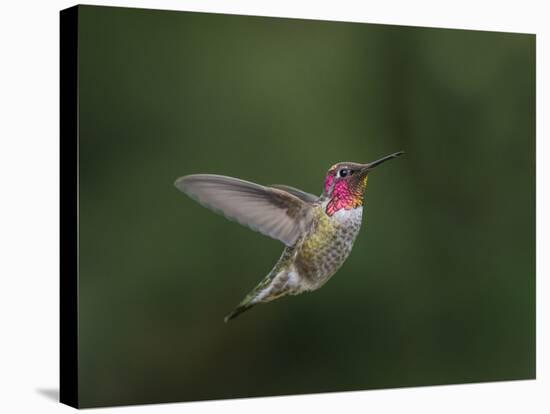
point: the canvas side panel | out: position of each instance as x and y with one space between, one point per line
69 206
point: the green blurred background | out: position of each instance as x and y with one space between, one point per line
440 287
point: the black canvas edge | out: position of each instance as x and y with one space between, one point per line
68 260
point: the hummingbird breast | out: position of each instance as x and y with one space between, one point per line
315 257
326 246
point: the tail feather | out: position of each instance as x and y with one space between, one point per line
258 295
263 291
250 300
237 311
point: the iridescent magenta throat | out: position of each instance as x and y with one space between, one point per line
342 197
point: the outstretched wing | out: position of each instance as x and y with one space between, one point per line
271 211
302 195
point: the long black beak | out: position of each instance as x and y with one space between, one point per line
373 164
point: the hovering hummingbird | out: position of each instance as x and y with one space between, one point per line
318 232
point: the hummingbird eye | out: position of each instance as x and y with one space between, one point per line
344 172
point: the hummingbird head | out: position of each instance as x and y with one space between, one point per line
346 182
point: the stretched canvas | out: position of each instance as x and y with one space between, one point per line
420 272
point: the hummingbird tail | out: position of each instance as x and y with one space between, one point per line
263 292
237 311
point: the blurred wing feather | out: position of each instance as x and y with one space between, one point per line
270 211
302 195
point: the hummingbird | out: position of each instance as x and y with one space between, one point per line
318 231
